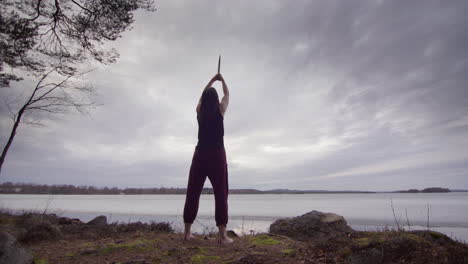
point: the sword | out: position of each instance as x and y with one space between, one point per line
219 63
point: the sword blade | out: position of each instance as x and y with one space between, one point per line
219 64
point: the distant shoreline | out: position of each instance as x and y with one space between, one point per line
230 193
31 188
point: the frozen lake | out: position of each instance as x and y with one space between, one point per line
448 212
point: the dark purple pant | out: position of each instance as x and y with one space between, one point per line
211 163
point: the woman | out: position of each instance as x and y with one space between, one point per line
209 160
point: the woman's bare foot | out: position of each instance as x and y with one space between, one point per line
188 233
188 236
223 240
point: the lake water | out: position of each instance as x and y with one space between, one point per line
448 212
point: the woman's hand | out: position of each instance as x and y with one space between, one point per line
218 77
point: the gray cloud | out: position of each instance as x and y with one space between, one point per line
324 95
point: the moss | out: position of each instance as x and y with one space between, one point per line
170 252
199 250
263 240
345 252
362 242
137 244
413 237
258 253
289 251
69 255
151 241
436 235
87 244
40 261
378 238
371 238
202 258
108 249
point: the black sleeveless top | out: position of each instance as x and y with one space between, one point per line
210 132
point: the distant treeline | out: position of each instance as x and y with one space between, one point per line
32 188
427 190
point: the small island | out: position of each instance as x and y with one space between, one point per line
427 190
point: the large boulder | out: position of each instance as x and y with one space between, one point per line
312 226
98 221
12 252
69 221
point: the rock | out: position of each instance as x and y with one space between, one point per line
98 221
12 252
69 221
40 232
231 233
312 226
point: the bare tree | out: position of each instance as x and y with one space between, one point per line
51 96
51 40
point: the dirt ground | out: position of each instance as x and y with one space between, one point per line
54 239
150 247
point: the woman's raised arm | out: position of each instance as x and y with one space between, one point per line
225 100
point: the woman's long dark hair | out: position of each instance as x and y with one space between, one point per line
209 104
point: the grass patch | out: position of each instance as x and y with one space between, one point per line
372 238
345 252
362 242
413 237
289 251
263 240
258 253
198 259
40 261
198 250
87 244
436 235
137 244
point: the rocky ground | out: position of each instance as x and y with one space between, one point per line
312 238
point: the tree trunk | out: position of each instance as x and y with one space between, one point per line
10 139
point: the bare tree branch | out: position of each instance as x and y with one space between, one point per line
38 11
82 7
56 97
50 40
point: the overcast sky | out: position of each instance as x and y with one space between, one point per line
335 95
